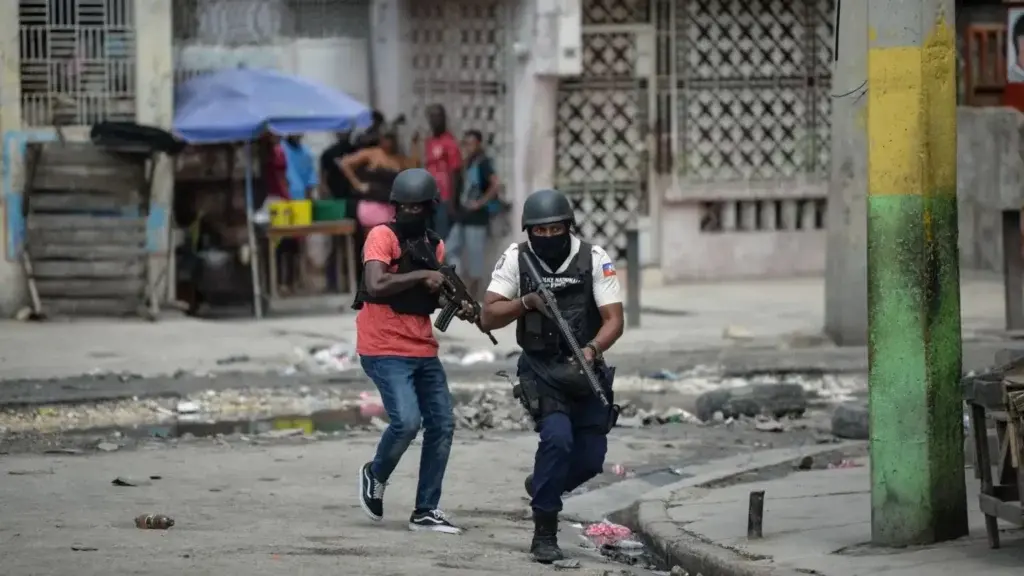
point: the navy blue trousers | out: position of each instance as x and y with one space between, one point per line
571 451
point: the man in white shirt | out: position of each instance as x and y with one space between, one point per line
572 421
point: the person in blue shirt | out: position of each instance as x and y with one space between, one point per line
303 180
303 177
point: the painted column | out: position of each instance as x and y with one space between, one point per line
918 494
12 281
154 89
846 301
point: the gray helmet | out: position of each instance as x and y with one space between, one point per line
414 186
547 207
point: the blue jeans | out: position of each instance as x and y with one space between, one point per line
413 391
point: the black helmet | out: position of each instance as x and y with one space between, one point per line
547 207
414 186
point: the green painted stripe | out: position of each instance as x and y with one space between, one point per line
914 346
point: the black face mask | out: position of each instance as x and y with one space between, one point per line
552 250
412 225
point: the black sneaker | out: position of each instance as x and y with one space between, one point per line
432 521
371 493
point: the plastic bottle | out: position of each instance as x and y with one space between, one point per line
153 522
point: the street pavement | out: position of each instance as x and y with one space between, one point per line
289 505
744 327
815 522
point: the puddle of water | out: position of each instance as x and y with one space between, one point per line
325 421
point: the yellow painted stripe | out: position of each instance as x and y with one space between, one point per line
912 117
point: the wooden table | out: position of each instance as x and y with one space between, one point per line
1000 496
336 230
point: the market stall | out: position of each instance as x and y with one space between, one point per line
238 106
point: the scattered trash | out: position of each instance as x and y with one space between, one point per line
619 470
30 472
467 357
238 359
379 424
607 533
769 426
336 358
370 406
678 571
187 407
125 481
845 464
283 433
806 463
153 522
736 333
108 447
665 375
65 451
566 564
80 548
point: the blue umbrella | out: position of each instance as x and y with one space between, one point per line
238 104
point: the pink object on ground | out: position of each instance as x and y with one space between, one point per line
370 407
607 533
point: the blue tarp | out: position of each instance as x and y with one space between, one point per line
238 104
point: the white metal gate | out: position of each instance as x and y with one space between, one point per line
601 131
77 61
457 55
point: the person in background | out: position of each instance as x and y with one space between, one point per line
303 180
336 186
274 170
371 171
469 233
444 162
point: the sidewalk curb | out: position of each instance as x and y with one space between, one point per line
649 517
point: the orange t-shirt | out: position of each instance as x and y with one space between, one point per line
379 330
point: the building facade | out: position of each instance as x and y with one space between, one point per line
703 123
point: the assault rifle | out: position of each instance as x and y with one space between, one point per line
563 328
455 294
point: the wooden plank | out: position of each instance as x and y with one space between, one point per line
86 252
59 270
98 307
43 201
63 236
102 179
120 288
87 154
68 222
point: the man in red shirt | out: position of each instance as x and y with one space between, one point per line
444 162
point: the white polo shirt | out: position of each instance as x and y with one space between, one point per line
505 278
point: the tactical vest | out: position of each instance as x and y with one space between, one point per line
414 254
537 335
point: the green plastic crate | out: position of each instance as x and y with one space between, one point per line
329 210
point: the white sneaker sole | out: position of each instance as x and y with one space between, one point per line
362 501
441 529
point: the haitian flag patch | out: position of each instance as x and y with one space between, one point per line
608 269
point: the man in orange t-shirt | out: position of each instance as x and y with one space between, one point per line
397 349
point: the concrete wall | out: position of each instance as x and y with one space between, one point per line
154 92
990 178
738 247
532 99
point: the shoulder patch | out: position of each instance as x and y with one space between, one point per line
499 263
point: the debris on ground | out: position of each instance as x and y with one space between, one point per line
80 548
492 410
607 533
566 564
126 481
370 406
108 447
845 464
153 522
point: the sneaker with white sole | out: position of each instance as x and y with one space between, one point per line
371 493
432 521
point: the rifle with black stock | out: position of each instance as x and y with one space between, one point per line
454 294
563 327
